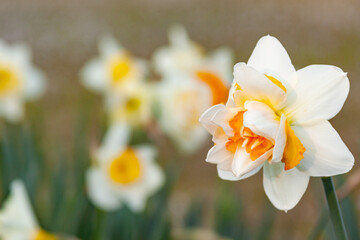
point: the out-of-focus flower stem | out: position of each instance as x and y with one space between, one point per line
99 226
334 208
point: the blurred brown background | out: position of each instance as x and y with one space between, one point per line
64 34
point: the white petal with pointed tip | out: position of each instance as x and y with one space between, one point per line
326 154
16 215
284 188
271 58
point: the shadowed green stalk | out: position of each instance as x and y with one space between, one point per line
100 224
334 208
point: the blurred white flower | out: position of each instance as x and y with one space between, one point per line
132 107
191 82
182 103
17 220
276 119
19 80
182 55
113 70
123 174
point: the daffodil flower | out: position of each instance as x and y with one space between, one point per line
189 76
17 220
123 174
133 106
276 118
19 80
113 70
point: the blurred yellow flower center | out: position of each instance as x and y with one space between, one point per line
133 104
120 67
254 144
218 89
9 80
125 168
42 235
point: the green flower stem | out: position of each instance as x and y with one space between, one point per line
334 208
99 225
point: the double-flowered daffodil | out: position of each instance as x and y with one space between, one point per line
19 80
17 220
276 118
123 174
191 82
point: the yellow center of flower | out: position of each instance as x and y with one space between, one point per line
254 144
125 168
218 89
42 235
133 104
9 80
120 67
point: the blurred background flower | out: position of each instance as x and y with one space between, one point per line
123 173
20 80
191 81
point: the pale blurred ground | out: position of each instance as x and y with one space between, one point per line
64 34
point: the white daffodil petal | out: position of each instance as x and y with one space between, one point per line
94 76
221 118
136 203
108 46
319 94
219 137
229 175
261 119
280 141
35 85
12 108
146 152
99 190
242 164
16 213
225 165
257 86
114 141
271 58
284 188
326 154
154 180
218 154
206 117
